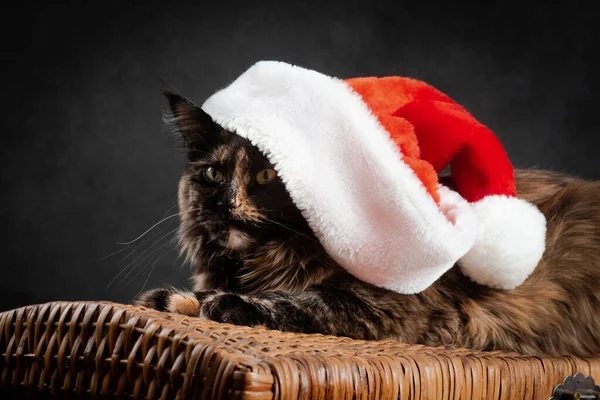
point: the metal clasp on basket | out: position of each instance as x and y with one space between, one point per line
577 387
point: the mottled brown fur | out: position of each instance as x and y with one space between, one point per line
283 266
284 279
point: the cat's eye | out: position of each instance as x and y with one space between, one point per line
213 175
265 176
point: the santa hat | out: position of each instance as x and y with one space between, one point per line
360 160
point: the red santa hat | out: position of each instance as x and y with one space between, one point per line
360 160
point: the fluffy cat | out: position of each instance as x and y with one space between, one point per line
258 263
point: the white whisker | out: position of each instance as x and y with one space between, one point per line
158 223
145 282
149 256
113 253
132 263
148 260
169 210
149 229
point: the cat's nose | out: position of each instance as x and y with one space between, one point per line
235 201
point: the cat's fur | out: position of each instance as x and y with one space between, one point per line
257 263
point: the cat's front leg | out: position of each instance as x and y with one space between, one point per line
269 310
215 305
234 309
327 311
170 300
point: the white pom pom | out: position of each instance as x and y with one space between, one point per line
510 242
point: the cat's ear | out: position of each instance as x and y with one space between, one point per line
195 126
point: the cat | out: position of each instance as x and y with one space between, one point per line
258 263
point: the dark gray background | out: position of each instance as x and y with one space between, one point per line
84 163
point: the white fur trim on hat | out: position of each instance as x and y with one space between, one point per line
369 210
509 244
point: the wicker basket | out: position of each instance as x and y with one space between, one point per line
106 350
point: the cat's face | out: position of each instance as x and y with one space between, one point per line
230 196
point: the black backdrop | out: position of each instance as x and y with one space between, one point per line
84 163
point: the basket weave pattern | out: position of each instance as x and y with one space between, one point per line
106 350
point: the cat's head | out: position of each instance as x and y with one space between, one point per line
230 196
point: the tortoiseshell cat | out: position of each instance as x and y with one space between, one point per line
258 263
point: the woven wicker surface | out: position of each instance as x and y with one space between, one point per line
87 349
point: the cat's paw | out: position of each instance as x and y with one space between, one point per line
232 309
170 300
